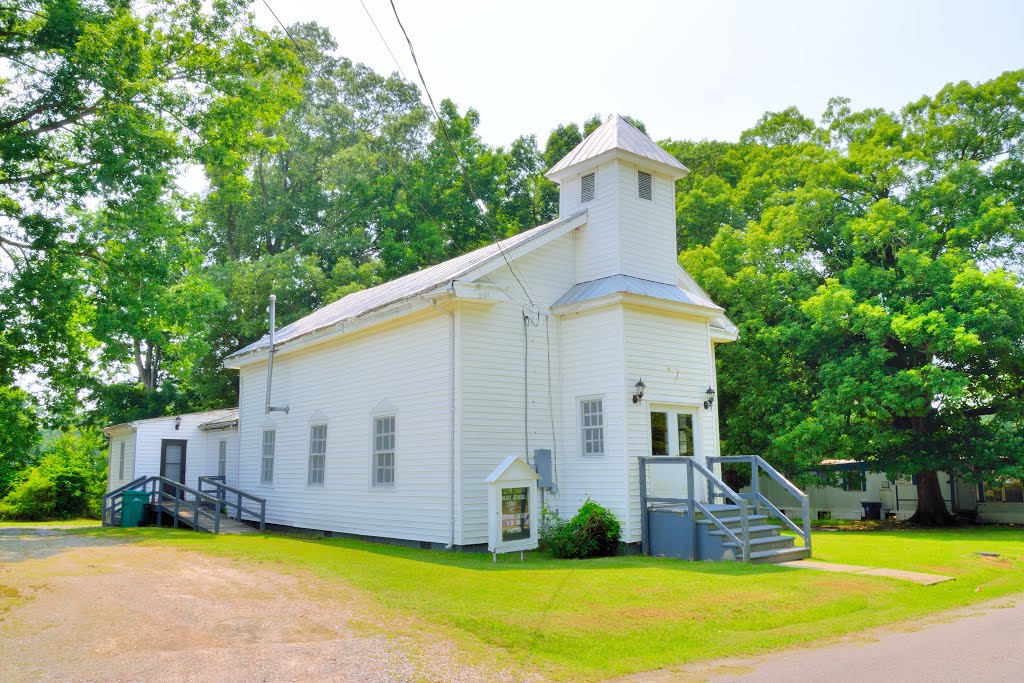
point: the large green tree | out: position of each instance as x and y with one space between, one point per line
100 104
871 264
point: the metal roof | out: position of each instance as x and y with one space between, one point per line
222 415
616 133
420 282
227 421
627 284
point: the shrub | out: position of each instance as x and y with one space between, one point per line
68 482
593 532
32 497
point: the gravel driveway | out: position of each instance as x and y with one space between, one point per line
88 608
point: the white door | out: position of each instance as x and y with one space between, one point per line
673 434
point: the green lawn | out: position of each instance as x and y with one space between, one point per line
54 523
598 618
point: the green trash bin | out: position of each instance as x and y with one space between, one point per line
133 507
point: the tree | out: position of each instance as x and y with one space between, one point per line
100 104
871 274
19 435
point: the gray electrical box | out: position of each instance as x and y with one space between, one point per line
542 463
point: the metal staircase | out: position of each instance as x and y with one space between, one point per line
723 524
218 508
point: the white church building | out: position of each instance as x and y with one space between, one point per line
401 399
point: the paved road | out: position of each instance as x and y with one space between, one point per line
980 644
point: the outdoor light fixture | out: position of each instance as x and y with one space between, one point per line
177 423
638 395
710 393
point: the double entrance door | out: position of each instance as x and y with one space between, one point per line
674 433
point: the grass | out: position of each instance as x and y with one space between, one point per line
53 523
598 618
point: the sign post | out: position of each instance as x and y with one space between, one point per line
514 515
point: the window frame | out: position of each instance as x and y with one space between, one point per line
583 427
321 455
672 413
120 468
374 452
651 185
264 480
593 194
222 459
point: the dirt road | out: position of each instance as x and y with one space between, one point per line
83 608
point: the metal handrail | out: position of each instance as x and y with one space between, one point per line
758 464
741 503
154 485
222 489
115 497
693 505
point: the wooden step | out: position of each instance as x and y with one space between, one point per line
776 555
751 519
764 543
760 529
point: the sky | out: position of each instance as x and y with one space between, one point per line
688 70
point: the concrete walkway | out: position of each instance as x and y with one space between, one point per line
917 577
982 643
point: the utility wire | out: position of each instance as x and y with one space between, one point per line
384 40
366 135
458 159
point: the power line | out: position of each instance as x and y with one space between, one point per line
366 135
458 159
384 40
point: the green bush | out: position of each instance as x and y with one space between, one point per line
68 482
32 498
593 532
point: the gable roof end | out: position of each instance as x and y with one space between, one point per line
618 135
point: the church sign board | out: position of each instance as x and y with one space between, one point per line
514 514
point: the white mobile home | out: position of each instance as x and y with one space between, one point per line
179 447
389 408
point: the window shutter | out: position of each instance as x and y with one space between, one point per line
587 188
644 184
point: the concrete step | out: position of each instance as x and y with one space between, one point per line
765 543
756 531
730 521
777 555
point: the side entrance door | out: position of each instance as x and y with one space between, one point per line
673 434
172 462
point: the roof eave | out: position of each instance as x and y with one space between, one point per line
637 300
557 174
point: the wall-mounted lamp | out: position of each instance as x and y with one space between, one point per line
177 423
710 393
638 393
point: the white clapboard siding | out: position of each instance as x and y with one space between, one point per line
127 437
493 355
400 368
592 367
597 253
647 228
1007 513
151 434
673 355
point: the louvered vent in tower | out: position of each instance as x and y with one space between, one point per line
644 184
587 188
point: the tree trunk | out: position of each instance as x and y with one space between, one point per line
931 508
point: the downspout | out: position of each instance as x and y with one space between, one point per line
451 420
270 360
